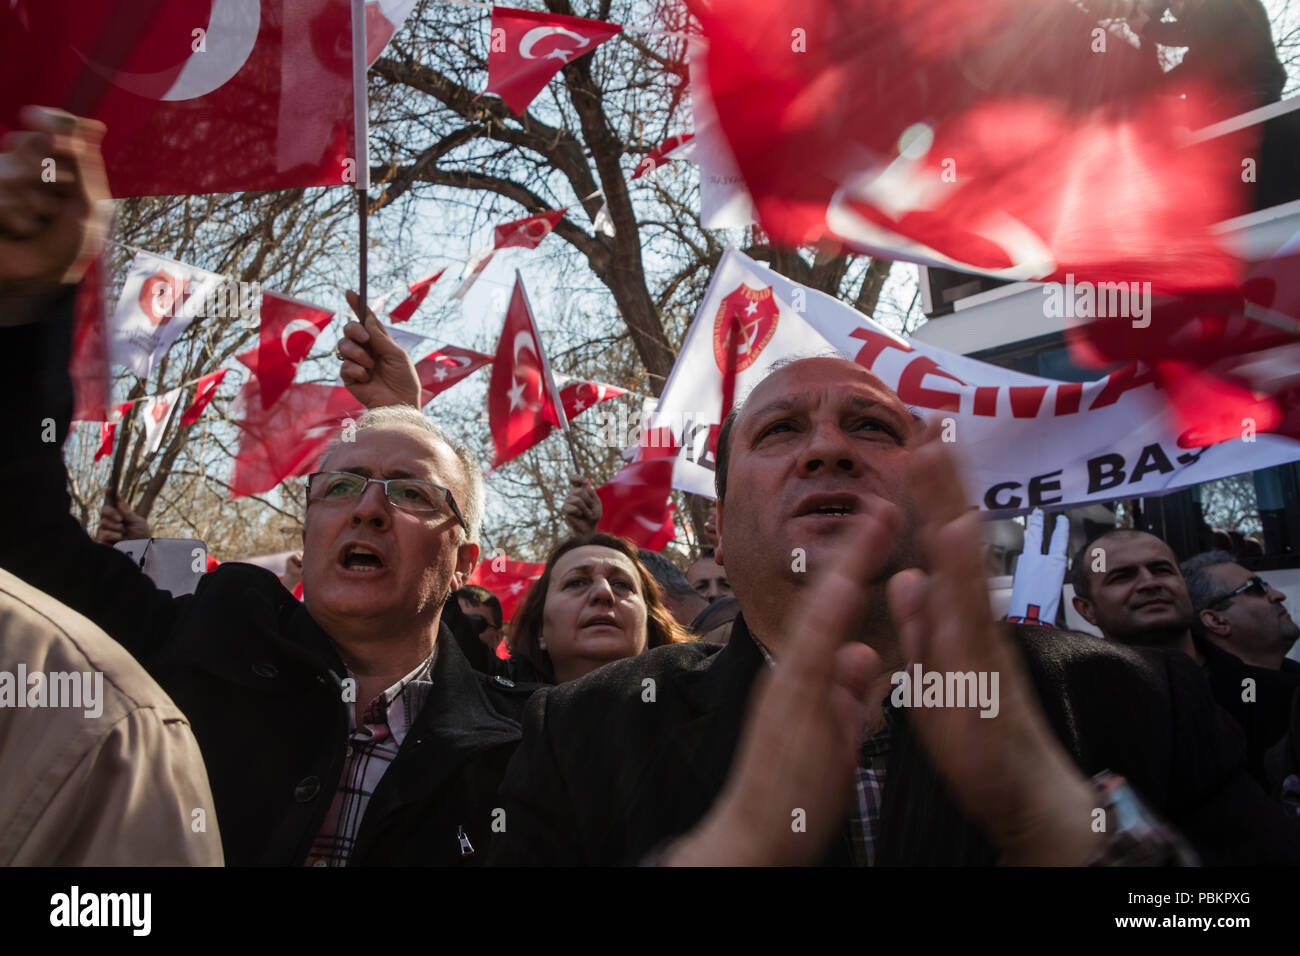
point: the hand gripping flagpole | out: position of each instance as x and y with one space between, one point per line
360 137
550 379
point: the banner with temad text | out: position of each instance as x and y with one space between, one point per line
1024 441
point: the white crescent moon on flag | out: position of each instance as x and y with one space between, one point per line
525 341
297 325
648 523
230 36
537 34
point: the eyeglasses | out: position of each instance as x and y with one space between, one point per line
409 494
1253 584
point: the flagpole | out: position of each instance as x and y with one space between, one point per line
360 136
550 379
119 456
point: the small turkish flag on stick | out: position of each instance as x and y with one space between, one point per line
522 399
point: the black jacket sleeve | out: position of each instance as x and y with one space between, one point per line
1212 798
541 828
42 543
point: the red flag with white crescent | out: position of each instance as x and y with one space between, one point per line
418 292
440 370
636 503
577 397
521 406
993 136
674 147
529 48
289 329
289 437
205 390
508 580
183 87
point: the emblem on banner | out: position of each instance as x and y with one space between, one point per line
757 312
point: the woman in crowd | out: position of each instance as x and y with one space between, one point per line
594 603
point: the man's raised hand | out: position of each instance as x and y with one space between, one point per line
581 508
1007 771
54 202
375 369
792 779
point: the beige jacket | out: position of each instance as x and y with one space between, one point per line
98 767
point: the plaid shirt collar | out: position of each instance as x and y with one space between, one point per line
398 706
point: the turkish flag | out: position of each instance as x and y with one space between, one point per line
418 292
1227 359
526 233
529 48
991 136
674 147
289 329
108 428
288 438
577 397
635 503
199 96
508 580
521 406
440 370
88 364
205 390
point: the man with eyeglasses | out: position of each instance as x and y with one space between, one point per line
1128 585
347 729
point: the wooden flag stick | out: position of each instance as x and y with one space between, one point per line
360 136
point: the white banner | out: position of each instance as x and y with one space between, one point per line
159 300
1025 441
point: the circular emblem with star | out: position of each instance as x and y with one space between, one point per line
754 313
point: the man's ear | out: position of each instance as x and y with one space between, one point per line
1215 624
717 549
466 559
1084 607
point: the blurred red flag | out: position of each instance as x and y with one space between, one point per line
440 370
674 147
1227 359
88 366
529 48
521 406
526 233
288 438
418 292
205 389
994 136
508 580
198 97
289 329
108 429
635 503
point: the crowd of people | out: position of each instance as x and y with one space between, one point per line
804 693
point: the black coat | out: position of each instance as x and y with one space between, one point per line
604 776
256 676
1266 717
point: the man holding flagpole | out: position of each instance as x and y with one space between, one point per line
347 729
